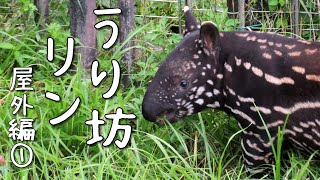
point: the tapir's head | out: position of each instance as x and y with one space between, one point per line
184 83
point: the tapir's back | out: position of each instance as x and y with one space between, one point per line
277 76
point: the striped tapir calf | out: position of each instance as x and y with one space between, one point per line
242 73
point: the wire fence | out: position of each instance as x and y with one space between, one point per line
296 18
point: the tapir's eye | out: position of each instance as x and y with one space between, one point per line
184 84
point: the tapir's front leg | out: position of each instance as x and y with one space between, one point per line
256 153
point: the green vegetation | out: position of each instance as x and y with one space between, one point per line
203 146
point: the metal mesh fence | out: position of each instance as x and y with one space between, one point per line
296 18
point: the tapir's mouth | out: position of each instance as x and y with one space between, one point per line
170 115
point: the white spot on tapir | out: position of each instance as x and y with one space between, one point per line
219 76
199 101
209 94
279 53
200 91
215 105
247 65
228 67
278 45
194 89
290 46
192 27
216 92
203 73
267 55
199 52
193 65
208 66
221 34
251 38
237 103
238 61
210 82
298 69
310 51
262 40
242 34
271 43
195 56
313 77
191 97
263 47
257 71
294 53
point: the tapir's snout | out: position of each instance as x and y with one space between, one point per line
153 108
149 110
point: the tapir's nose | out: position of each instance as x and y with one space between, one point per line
149 111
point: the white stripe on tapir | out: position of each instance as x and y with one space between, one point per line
261 109
245 99
278 81
253 145
270 125
299 69
249 154
313 77
298 106
257 71
242 114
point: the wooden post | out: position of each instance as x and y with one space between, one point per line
232 7
41 15
241 13
295 17
82 26
127 25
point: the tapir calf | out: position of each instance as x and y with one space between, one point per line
243 73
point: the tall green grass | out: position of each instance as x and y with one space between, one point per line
203 146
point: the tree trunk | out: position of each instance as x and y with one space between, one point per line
41 15
127 25
82 26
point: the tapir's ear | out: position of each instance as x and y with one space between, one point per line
209 35
191 22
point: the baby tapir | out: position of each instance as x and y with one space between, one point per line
243 73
